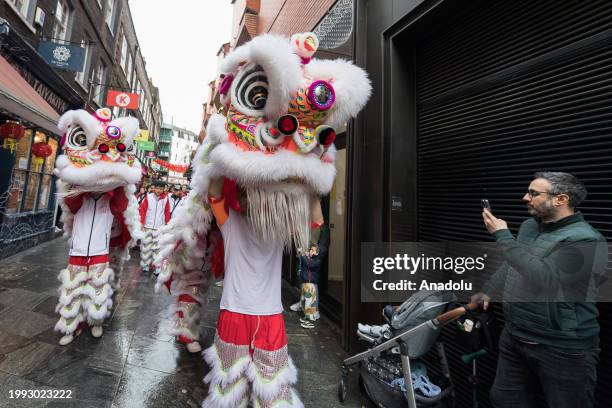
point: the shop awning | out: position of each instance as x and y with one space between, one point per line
19 98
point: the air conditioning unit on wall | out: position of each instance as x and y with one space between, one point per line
39 17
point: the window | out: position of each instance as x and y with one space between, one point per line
62 18
143 107
128 67
31 180
99 81
110 11
81 76
23 7
122 56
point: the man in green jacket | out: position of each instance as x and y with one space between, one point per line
548 284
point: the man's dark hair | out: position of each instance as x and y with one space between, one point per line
564 183
158 183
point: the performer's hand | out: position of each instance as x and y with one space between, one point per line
215 188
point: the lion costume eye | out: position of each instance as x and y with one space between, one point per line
130 148
76 139
250 89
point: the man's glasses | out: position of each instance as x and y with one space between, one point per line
535 193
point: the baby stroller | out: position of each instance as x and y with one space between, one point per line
411 330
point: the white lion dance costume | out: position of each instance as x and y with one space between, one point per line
274 149
97 176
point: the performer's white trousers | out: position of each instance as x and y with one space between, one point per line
149 247
85 292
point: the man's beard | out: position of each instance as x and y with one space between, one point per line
542 213
281 215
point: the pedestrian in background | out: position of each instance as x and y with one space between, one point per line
176 199
154 214
308 269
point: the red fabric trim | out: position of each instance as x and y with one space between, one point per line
184 339
118 201
264 332
143 210
230 193
218 260
88 260
74 203
167 214
186 298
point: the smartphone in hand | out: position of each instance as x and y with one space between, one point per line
485 204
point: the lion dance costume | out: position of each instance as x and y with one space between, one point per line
274 147
96 183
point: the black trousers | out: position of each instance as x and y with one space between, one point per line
564 378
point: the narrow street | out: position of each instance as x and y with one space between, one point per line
136 362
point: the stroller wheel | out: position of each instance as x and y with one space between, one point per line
342 389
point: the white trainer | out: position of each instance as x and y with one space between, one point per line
67 339
194 347
296 307
96 331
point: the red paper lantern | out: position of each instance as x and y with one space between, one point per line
40 151
11 132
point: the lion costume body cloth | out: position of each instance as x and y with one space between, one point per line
274 145
96 184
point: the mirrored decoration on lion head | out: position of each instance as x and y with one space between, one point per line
276 142
99 153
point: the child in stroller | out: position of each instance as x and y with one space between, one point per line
387 373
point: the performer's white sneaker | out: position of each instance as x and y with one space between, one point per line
296 307
96 331
67 339
194 347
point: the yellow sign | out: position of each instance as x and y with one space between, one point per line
143 136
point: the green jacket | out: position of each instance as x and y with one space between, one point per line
549 281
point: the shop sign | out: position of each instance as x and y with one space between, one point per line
122 99
62 56
146 146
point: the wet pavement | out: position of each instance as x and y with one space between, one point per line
136 363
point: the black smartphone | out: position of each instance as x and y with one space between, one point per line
485 204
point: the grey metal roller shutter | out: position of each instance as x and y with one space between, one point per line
504 89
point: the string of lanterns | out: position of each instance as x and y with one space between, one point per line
178 168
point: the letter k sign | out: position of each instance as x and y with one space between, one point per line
122 99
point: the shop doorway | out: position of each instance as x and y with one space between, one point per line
332 279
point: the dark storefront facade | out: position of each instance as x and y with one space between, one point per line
470 99
32 96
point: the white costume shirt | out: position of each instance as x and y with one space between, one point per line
91 228
175 204
155 217
253 269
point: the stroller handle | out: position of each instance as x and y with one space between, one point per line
455 313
